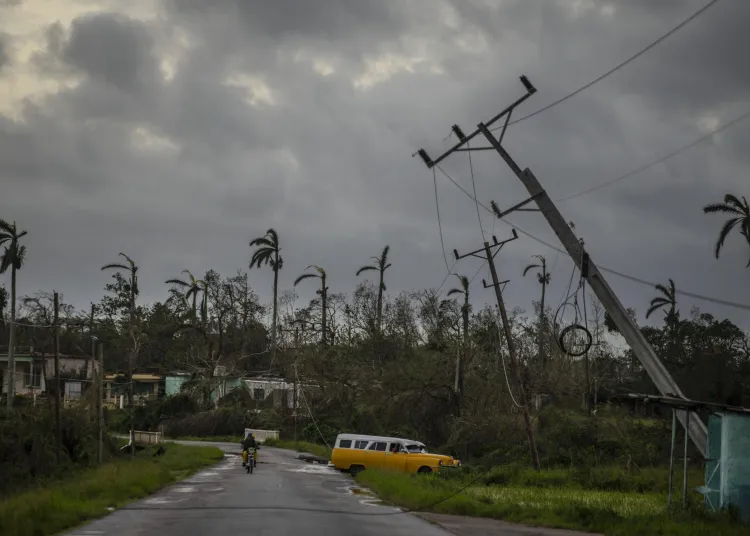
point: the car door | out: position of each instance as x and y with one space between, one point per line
395 457
376 454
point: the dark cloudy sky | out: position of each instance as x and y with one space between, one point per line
176 131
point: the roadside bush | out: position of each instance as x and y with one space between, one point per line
27 445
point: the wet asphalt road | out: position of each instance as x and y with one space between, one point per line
282 496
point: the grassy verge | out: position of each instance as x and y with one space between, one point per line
300 446
89 494
618 513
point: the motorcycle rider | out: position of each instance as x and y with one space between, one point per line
247 444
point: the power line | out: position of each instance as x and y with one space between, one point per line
474 186
616 67
440 223
664 158
742 306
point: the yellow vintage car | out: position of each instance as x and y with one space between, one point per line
353 453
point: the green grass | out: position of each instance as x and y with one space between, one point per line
89 494
616 513
300 446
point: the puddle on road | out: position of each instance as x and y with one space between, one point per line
314 470
186 489
162 500
369 498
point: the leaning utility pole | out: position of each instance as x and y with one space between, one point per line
58 419
489 256
629 329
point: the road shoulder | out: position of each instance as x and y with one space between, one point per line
477 526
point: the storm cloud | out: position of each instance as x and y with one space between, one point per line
177 132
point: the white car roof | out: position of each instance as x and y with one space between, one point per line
379 438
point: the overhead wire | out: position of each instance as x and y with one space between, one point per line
440 223
474 186
658 161
701 297
309 412
617 67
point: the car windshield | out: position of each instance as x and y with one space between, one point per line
416 449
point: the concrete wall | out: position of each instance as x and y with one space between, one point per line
262 435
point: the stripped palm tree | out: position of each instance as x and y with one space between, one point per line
268 253
13 258
192 287
465 309
740 212
380 265
543 277
667 301
132 269
323 297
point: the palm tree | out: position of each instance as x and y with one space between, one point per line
668 299
192 287
465 308
323 297
740 211
268 253
543 277
132 268
380 265
12 258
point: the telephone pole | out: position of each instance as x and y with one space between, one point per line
489 256
630 331
58 418
100 405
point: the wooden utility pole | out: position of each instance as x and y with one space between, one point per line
627 327
489 256
514 365
100 405
295 387
58 393
93 339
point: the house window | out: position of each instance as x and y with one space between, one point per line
259 394
34 379
73 390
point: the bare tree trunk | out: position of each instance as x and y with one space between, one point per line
324 312
12 340
58 419
275 307
542 318
380 303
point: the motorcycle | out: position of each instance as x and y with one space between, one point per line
249 462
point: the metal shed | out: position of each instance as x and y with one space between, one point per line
727 453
